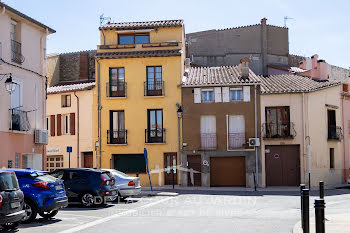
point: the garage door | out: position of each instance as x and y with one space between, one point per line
227 171
282 165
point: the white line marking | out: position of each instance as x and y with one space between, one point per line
96 222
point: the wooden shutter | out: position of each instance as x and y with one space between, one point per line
72 123
218 97
226 94
59 126
52 125
246 94
197 95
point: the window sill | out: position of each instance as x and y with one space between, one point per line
65 106
154 96
281 138
240 149
155 143
19 132
116 98
125 144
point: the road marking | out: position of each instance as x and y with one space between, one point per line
96 222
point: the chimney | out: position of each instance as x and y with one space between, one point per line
302 65
314 59
187 64
244 68
322 70
263 20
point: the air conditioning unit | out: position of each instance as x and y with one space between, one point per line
41 136
254 142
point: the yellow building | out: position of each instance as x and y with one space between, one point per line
139 68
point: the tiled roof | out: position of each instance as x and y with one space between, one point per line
145 24
288 68
223 75
289 83
144 53
71 87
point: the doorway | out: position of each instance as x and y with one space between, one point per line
170 169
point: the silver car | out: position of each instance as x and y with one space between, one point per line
128 185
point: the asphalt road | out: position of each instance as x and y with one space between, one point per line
243 212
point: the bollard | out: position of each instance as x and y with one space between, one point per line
321 189
306 217
302 186
319 215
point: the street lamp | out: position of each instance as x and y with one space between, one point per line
179 112
10 86
179 116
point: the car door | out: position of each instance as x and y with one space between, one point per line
76 183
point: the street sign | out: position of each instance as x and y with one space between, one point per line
69 149
145 154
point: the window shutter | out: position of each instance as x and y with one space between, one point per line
246 94
197 95
218 97
226 94
59 126
72 123
52 125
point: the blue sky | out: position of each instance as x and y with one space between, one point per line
321 27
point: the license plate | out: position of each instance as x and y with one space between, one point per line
14 205
58 187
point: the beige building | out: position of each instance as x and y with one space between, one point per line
22 112
301 131
69 123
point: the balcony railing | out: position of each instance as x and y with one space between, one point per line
335 132
19 120
116 89
236 140
208 141
279 130
117 137
16 49
154 135
154 88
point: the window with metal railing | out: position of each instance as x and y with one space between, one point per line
19 120
116 89
117 136
154 85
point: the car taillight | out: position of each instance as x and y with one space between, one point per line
131 183
104 180
0 200
42 184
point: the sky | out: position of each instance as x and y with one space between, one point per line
320 27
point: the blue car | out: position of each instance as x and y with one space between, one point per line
43 194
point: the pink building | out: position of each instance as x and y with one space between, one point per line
22 90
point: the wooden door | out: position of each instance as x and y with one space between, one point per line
227 171
282 165
195 163
88 161
170 169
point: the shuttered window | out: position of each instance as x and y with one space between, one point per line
236 131
197 95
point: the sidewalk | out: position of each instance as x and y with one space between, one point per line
336 223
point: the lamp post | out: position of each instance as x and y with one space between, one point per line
179 116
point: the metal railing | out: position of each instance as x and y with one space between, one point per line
116 89
155 135
154 88
335 132
117 137
16 49
208 141
279 130
19 120
236 140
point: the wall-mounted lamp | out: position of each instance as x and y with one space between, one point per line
10 86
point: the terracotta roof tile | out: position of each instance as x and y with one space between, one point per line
144 53
71 87
145 24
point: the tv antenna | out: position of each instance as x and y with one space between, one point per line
104 19
285 20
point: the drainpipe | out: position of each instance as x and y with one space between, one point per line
344 159
99 111
256 135
78 132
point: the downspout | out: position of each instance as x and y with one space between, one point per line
344 159
256 135
78 131
99 111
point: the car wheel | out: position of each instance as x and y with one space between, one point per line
11 226
30 212
50 214
87 200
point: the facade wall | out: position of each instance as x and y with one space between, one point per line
346 132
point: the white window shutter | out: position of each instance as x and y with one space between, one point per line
218 97
197 95
246 94
225 94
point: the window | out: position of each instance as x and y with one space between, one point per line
236 132
154 83
117 82
207 95
66 124
333 131
65 101
208 132
16 160
155 126
16 46
331 158
277 122
130 163
134 39
236 94
117 128
48 125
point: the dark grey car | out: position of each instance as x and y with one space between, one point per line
11 201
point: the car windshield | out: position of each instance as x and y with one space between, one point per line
116 172
8 181
42 176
